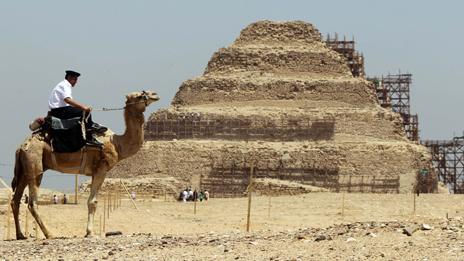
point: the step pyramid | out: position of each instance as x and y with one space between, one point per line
280 101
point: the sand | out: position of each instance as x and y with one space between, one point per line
307 227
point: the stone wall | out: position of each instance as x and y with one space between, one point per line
192 162
289 60
270 32
204 90
272 124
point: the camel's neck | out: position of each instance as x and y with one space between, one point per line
130 142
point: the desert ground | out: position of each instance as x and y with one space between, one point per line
315 226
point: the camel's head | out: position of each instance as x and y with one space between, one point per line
140 100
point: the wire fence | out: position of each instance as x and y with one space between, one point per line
267 212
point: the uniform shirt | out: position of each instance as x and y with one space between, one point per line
61 91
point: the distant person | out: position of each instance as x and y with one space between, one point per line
190 195
206 195
201 196
55 199
65 199
184 196
195 195
26 198
133 195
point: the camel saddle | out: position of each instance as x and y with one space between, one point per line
64 135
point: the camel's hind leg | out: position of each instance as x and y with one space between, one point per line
33 199
15 205
97 181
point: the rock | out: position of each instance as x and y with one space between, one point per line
371 234
410 230
320 238
253 243
426 227
350 239
113 233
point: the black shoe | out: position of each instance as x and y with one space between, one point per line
92 141
98 128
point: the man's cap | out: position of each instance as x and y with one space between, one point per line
72 73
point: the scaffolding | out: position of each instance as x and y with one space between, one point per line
228 178
393 91
239 129
448 161
354 59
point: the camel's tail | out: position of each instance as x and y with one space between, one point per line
18 171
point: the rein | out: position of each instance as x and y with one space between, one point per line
118 109
145 99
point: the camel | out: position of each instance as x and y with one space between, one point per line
35 156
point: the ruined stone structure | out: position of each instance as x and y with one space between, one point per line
280 101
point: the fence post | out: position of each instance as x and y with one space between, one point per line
100 225
269 206
108 206
250 185
114 201
8 221
194 206
75 189
105 205
104 215
129 194
119 197
343 205
27 221
36 230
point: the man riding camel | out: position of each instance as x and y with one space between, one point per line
63 106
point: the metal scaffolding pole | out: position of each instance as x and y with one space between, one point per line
346 48
393 91
448 161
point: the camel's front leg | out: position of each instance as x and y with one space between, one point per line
97 181
15 204
33 199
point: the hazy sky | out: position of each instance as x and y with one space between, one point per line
124 46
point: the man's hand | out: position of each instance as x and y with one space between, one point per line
87 109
